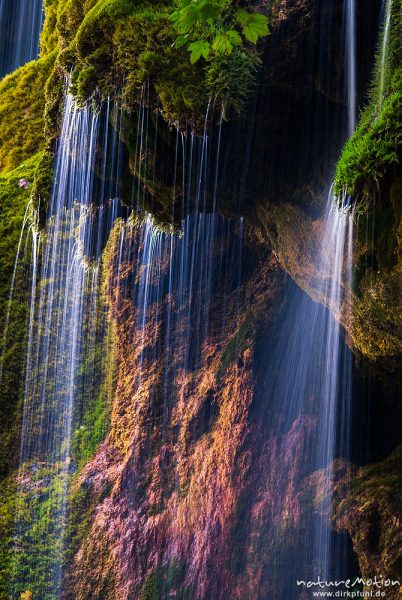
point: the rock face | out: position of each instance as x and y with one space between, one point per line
183 497
368 507
370 311
163 490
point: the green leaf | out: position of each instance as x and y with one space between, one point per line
198 49
222 44
243 16
209 12
181 41
254 25
185 19
234 37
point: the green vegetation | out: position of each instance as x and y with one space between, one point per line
370 170
213 28
95 399
35 496
22 101
92 429
13 205
115 47
49 38
369 506
374 152
165 582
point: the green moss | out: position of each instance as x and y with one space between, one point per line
22 101
117 46
375 150
369 505
164 582
82 503
13 205
37 500
231 79
236 346
370 170
94 423
96 383
50 36
92 431
79 515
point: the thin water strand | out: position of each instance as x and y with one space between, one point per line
384 48
20 26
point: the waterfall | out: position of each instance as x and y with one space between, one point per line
26 231
384 47
171 284
350 29
307 387
333 384
20 26
175 274
63 325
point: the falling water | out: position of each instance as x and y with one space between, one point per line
20 25
351 63
24 232
331 385
62 324
173 283
307 385
334 387
384 47
306 382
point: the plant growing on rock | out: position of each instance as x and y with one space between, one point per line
217 27
224 36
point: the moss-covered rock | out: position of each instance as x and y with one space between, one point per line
368 506
374 152
22 101
15 192
35 495
116 47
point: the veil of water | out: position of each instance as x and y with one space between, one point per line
384 47
20 25
170 278
350 29
307 386
63 324
65 304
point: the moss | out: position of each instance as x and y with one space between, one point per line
37 500
375 150
92 431
370 170
236 346
121 45
231 79
13 205
96 379
22 101
82 504
372 153
164 582
50 36
93 425
79 515
369 506
117 46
